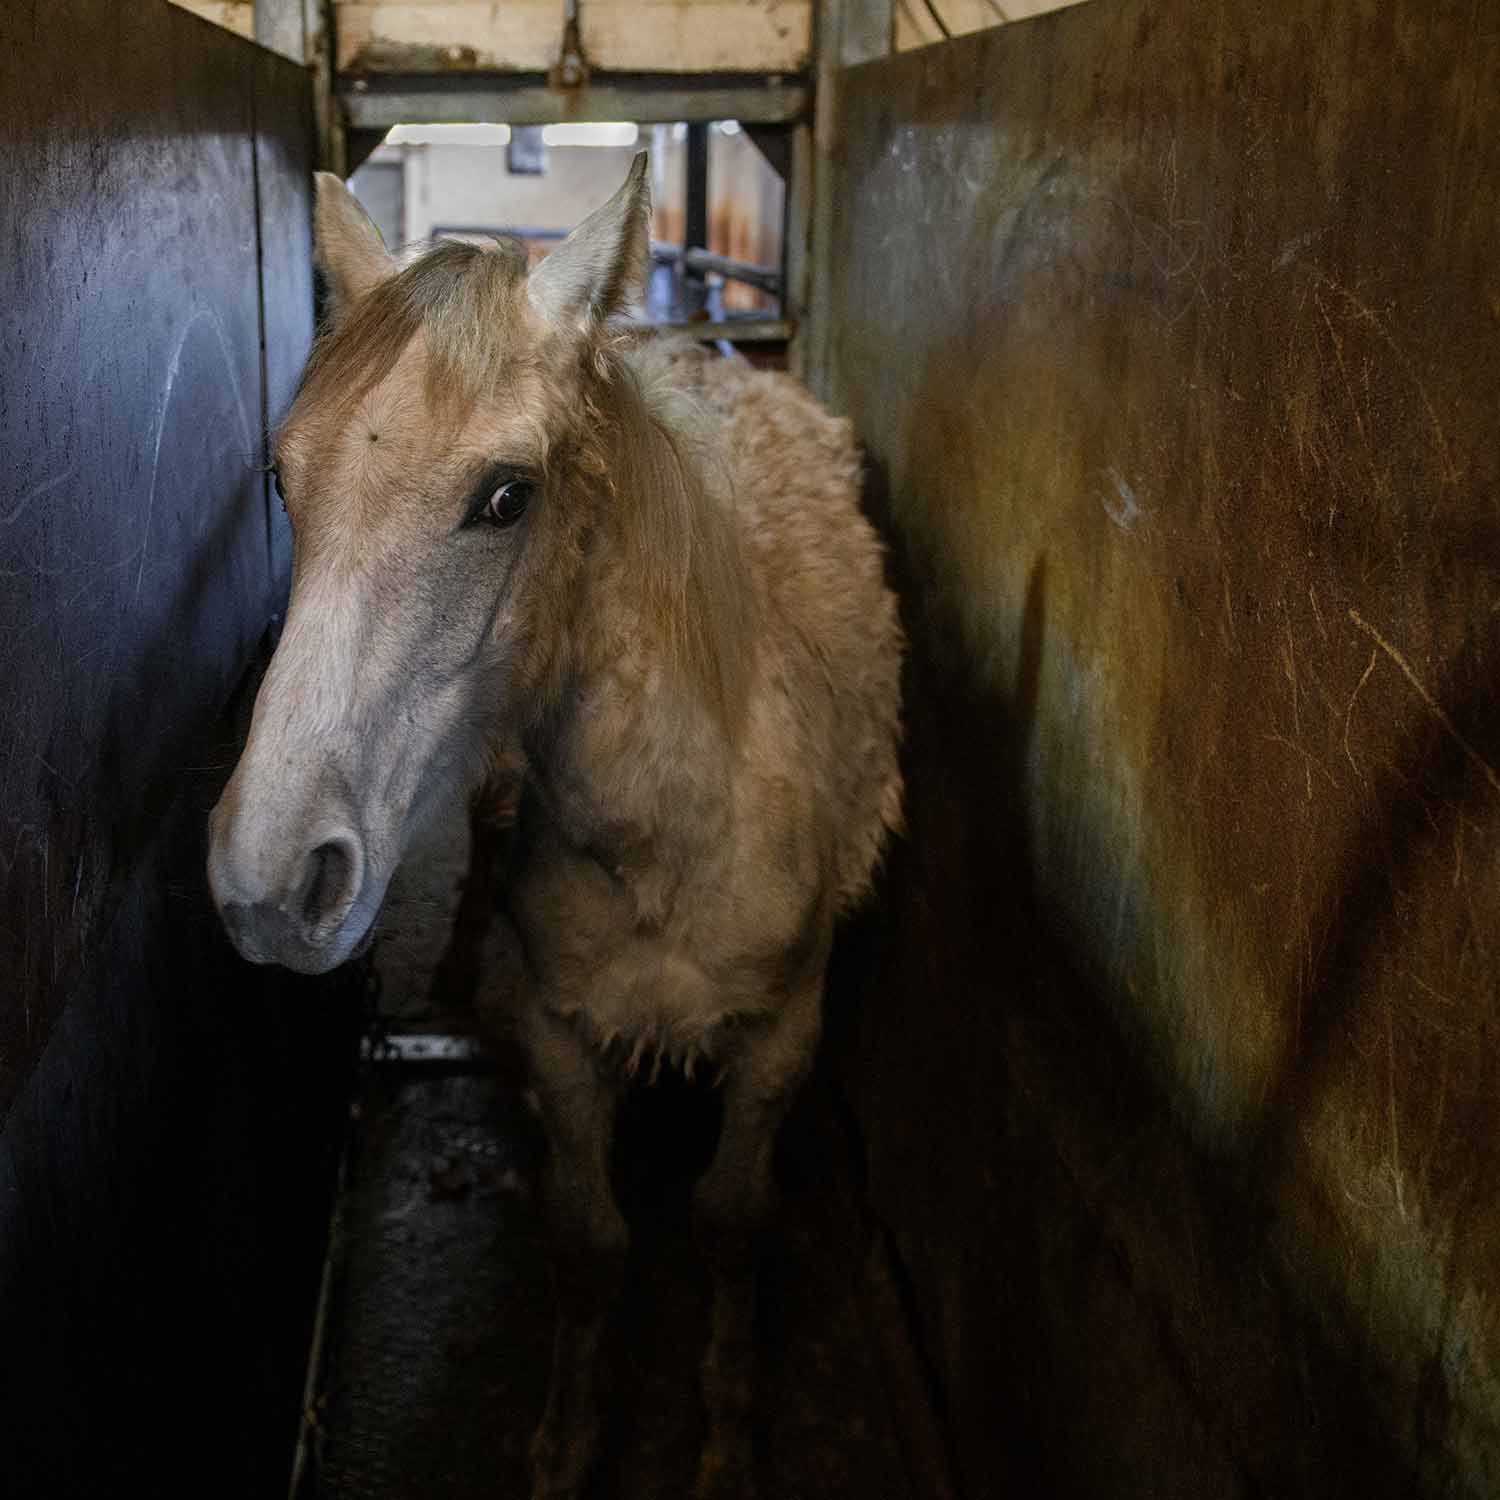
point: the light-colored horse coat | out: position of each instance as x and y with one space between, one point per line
687 634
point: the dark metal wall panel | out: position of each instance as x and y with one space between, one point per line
1172 328
135 551
168 1113
283 146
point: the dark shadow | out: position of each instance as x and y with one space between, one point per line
958 876
958 992
174 1116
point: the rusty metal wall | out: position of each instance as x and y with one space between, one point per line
1173 331
166 1132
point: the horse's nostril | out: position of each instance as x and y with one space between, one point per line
329 880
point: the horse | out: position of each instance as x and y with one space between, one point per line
526 530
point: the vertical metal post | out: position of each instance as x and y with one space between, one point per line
695 212
328 115
865 30
281 25
796 261
846 32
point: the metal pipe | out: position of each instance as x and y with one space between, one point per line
695 214
763 277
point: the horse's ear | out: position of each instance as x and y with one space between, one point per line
350 252
600 267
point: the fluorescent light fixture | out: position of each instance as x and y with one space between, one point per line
448 135
609 134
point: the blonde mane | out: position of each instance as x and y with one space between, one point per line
669 504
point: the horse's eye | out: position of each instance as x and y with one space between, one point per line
508 504
280 487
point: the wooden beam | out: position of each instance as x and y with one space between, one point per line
917 27
525 99
237 16
667 36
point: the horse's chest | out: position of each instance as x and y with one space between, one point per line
645 997
644 988
649 1005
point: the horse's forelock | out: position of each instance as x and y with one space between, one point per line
463 298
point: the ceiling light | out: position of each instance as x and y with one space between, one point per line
448 135
603 134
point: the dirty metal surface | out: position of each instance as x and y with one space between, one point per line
283 166
135 554
165 1123
1173 330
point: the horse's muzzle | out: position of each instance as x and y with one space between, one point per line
311 919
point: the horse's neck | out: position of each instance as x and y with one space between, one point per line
636 776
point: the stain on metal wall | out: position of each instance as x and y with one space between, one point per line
163 1121
1174 333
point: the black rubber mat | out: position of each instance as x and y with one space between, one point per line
439 1324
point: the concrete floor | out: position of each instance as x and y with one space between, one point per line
438 1327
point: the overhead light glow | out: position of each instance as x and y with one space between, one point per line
448 135
612 133
729 127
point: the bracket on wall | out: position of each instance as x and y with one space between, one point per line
571 70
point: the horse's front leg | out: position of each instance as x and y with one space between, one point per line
734 1204
589 1244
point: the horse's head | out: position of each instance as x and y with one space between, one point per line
435 466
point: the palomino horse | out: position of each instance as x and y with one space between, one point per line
516 521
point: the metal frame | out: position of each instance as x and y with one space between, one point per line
706 263
846 33
302 31
378 101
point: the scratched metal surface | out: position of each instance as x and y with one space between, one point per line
165 1147
1174 332
135 557
284 130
